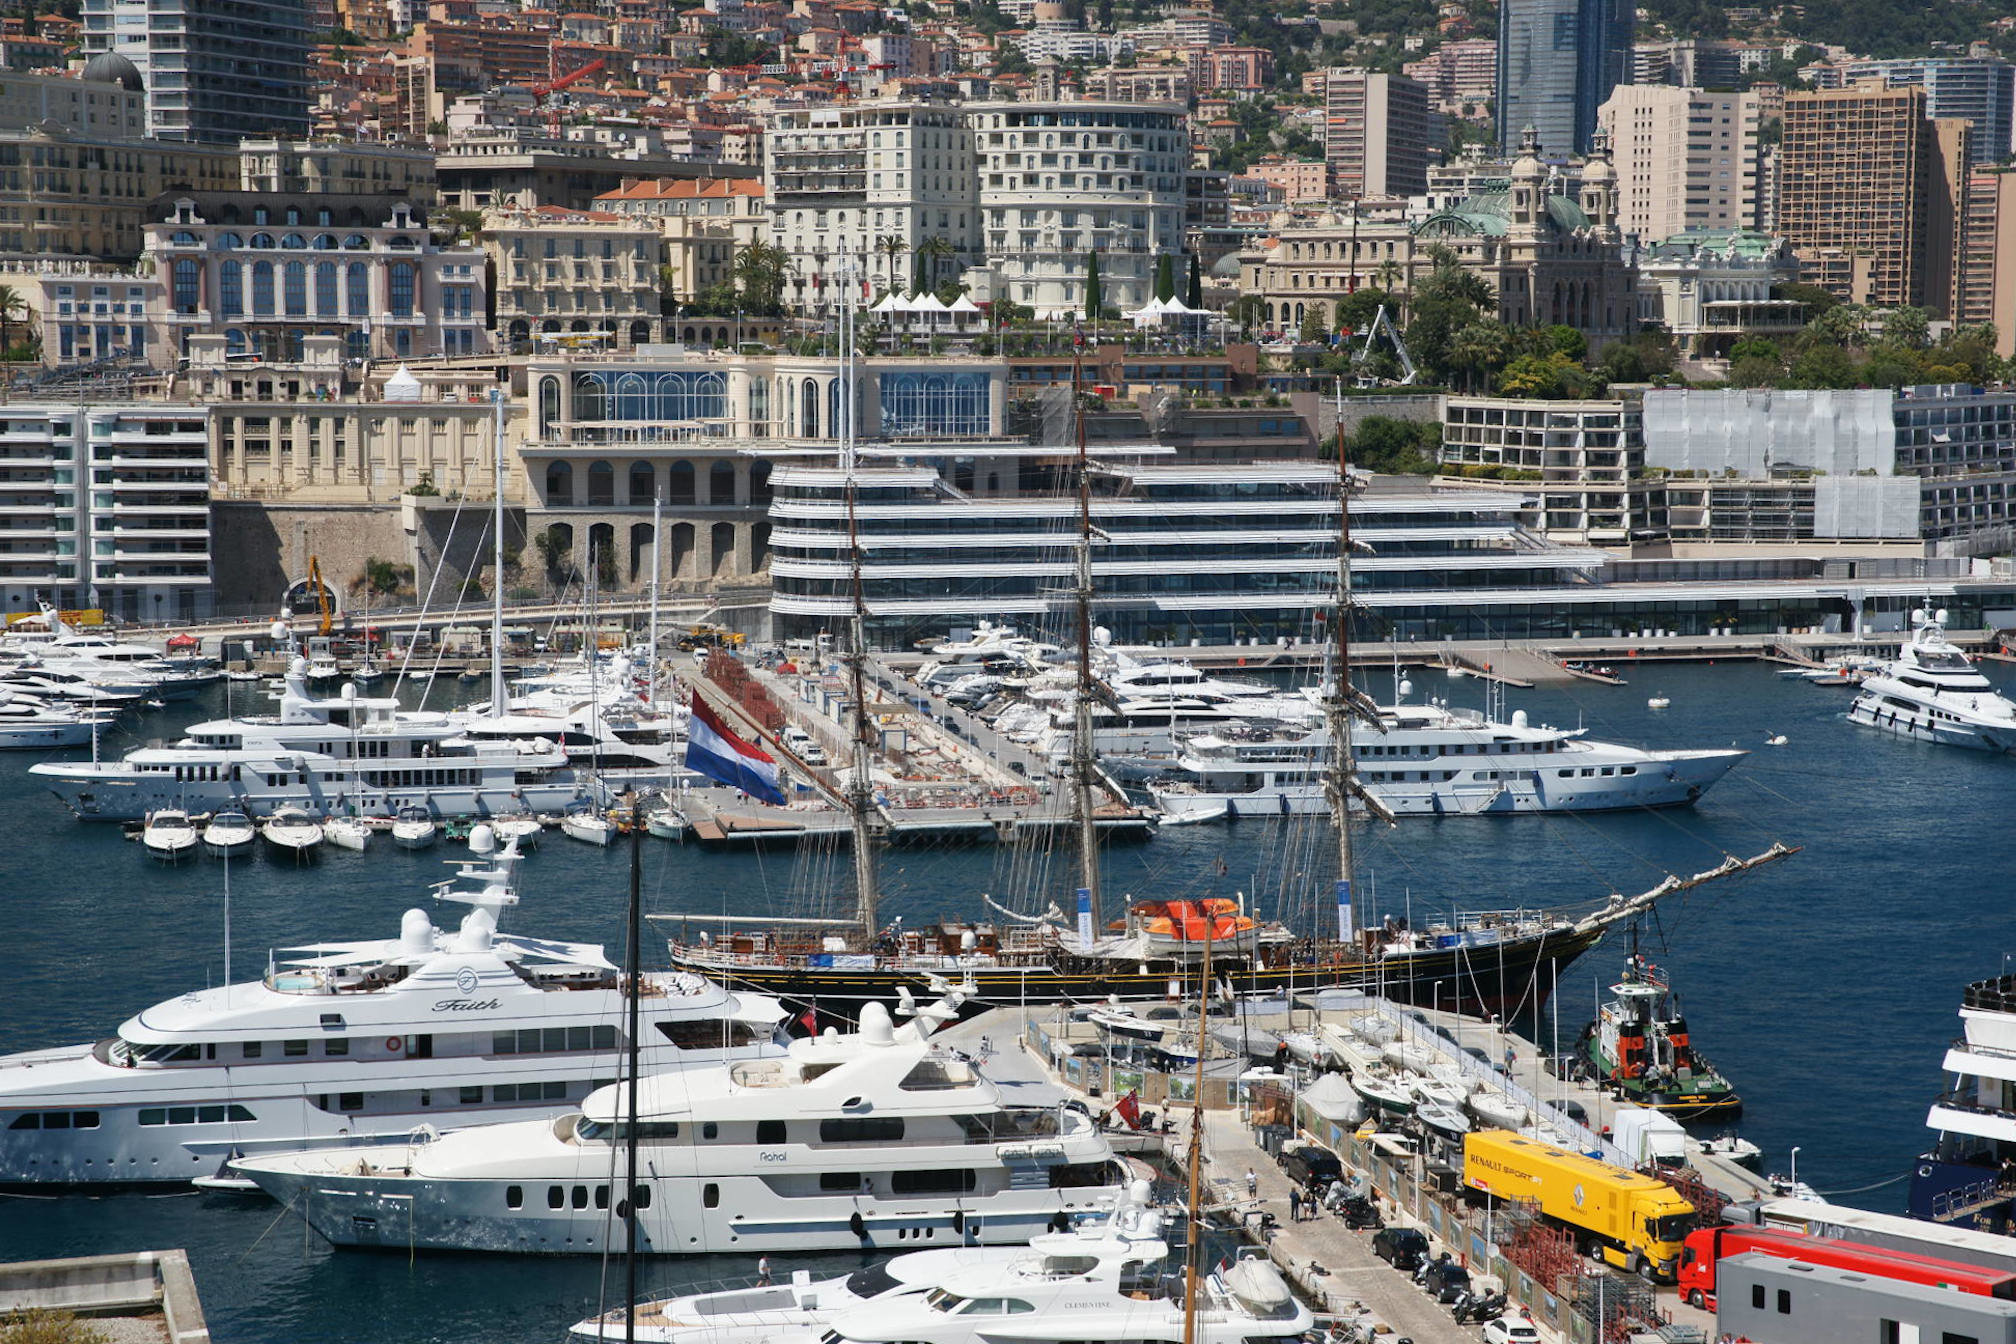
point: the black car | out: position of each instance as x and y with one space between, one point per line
1446 1281
1310 1162
1404 1248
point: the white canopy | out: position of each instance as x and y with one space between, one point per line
892 302
1331 1097
962 304
927 303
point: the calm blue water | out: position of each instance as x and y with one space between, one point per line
1826 987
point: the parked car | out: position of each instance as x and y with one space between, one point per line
1307 1162
1446 1280
1404 1248
1511 1330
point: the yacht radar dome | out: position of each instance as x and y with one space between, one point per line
416 933
876 1026
482 839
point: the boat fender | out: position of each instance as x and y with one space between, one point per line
395 1043
858 1225
959 1220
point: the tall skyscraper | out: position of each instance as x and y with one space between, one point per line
1558 60
215 70
1379 134
1872 195
1686 159
1979 89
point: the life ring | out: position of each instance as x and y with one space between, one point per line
395 1043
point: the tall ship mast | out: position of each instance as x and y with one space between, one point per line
1084 769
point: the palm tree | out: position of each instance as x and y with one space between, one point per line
891 246
760 269
1387 274
12 307
930 252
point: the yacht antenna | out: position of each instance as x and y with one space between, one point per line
861 786
1194 1233
630 1129
657 550
1082 765
1337 707
496 557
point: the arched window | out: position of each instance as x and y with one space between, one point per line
643 483
632 398
325 289
759 483
602 552
588 398
640 553
234 341
679 546
262 240
601 484
559 485
808 409
836 412
721 483
640 333
400 275
231 289
262 289
294 290
229 242
723 539
359 284
293 242
549 402
325 242
356 242
679 483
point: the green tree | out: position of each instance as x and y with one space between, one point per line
1195 298
930 252
1383 443
1820 364
1907 328
12 308
1095 297
1165 277
556 551
1315 329
1549 377
1247 312
890 247
1565 340
1816 299
1356 310
1480 350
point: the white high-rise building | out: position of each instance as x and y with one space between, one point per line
214 70
1685 159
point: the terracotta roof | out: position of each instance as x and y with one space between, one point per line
664 189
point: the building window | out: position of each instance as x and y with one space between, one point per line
231 290
325 289
401 288
359 285
188 286
601 484
262 289
295 294
934 404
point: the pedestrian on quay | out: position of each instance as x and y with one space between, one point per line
1294 1205
1252 1184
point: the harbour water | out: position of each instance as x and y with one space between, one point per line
1825 987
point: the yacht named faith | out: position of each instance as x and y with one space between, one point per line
1934 693
359 1042
877 1139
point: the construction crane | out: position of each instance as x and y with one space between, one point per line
1381 322
541 92
321 594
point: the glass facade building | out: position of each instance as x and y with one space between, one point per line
1558 60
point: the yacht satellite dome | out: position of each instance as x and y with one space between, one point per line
478 927
1518 718
1102 636
1406 688
1141 1193
967 942
279 629
1917 615
876 1026
298 667
416 932
1941 617
349 690
482 839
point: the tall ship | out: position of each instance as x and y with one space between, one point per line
1432 760
351 1042
879 1138
1967 1175
1935 693
1640 1047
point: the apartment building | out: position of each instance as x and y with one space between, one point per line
1380 134
337 168
703 223
1988 268
1980 89
1580 462
581 271
1872 194
1685 159
102 103
214 71
105 506
1461 76
1141 84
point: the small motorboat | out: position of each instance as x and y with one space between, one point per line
589 826
1494 1108
520 826
367 671
170 835
1774 740
293 834
414 828
1384 1092
351 833
1735 1148
1447 1122
1659 702
229 833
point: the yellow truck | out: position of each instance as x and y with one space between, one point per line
1631 1221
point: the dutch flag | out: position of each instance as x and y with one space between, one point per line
716 752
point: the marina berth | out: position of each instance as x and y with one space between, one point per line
1934 693
351 1042
878 1139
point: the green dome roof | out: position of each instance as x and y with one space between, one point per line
1488 212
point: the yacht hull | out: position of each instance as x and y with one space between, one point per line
1871 711
1514 973
131 798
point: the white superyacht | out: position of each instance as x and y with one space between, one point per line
878 1139
359 1041
1433 760
1110 1279
1934 693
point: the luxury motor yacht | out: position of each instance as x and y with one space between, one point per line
1432 760
1963 1177
1934 693
1107 1279
877 1139
359 1042
343 753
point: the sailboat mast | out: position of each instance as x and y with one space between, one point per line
861 785
496 557
657 574
1193 1247
1082 765
635 958
1337 707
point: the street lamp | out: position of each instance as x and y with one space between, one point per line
1795 1169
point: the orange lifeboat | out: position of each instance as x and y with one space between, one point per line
1215 919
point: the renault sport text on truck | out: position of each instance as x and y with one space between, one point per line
1634 1222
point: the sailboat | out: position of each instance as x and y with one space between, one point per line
1484 961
